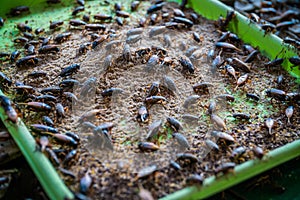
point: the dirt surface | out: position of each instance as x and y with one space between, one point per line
115 173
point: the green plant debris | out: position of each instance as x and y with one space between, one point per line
127 143
242 104
161 138
169 133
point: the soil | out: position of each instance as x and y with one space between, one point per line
115 172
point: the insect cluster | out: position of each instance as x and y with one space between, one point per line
186 103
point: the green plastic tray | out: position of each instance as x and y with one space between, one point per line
42 13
